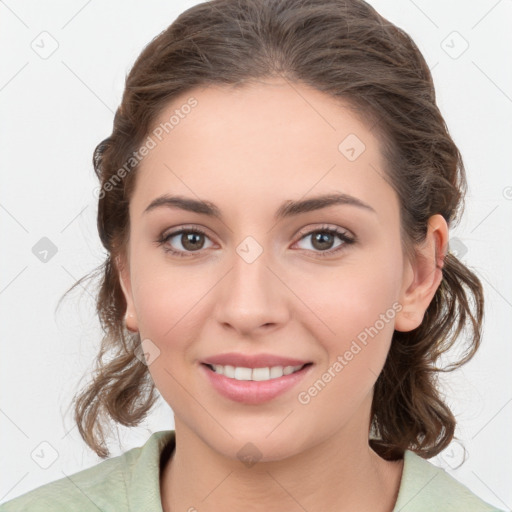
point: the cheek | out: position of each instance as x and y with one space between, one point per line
354 313
166 303
171 306
166 300
347 299
355 333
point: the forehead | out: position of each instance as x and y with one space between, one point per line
265 139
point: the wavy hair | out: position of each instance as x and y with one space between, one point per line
345 49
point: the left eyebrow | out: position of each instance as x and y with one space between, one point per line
287 209
290 208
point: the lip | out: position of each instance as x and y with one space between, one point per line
253 392
253 361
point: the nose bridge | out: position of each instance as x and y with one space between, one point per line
252 295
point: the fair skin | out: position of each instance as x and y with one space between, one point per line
248 150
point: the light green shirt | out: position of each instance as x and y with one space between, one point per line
131 482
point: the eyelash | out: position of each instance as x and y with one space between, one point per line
347 240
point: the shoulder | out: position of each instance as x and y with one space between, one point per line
111 485
426 487
79 491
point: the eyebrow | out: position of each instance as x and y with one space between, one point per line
287 209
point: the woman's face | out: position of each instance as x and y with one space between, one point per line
265 278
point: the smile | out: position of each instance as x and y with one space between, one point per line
255 374
254 386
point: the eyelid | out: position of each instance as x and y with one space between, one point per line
325 227
345 235
166 235
185 227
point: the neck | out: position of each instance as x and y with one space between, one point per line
341 473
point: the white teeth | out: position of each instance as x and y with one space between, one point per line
257 374
229 371
277 371
261 374
243 373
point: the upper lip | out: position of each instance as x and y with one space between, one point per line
253 361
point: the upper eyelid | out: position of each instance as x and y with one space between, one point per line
324 227
304 232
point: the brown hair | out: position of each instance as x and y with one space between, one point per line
347 50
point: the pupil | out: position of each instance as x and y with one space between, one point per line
189 239
323 239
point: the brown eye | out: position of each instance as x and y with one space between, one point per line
192 241
183 241
322 240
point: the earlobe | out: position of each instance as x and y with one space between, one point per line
423 276
123 273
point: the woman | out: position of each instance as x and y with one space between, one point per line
275 199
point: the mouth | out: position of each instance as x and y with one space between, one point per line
254 374
254 386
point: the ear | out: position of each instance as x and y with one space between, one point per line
423 276
123 271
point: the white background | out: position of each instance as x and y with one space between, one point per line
53 113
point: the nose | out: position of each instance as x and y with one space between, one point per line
253 296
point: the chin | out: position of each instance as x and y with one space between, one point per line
257 446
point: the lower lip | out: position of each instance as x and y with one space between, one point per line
250 391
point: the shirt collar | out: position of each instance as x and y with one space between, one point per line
418 475
144 485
